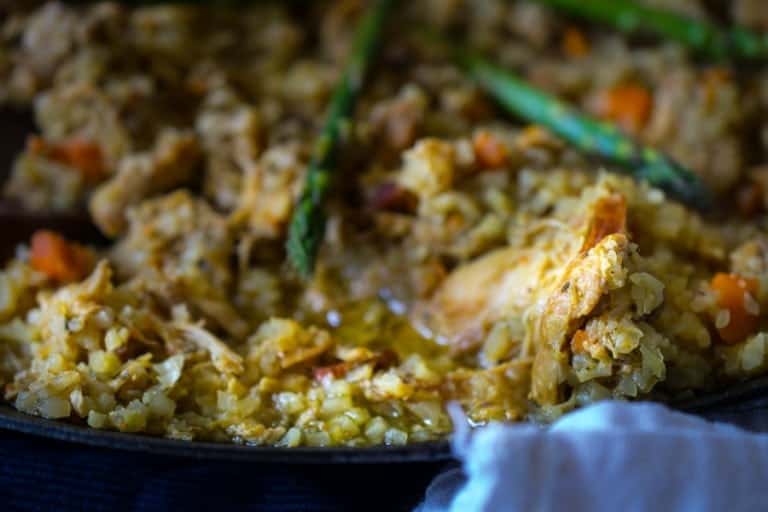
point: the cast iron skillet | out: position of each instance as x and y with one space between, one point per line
745 404
422 452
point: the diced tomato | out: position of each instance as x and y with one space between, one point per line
393 197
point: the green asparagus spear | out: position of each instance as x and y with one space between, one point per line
587 134
702 36
307 227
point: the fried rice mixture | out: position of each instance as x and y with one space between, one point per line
469 258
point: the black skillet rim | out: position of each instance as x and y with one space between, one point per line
11 419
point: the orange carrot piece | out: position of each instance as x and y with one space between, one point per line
731 292
490 152
83 155
575 44
58 258
578 340
627 105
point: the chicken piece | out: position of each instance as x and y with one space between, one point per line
176 235
139 176
49 37
80 301
501 283
178 248
750 259
550 286
685 101
398 120
269 191
280 344
223 358
594 271
232 135
507 281
588 278
19 283
428 168
608 217
221 312
39 184
80 298
495 394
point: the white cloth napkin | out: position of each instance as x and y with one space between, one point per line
607 457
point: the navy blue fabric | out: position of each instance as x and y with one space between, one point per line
42 474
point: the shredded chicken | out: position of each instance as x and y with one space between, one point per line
224 358
502 283
269 191
595 270
138 176
232 136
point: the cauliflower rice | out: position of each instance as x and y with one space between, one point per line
468 258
